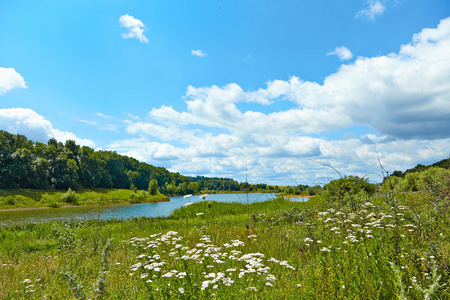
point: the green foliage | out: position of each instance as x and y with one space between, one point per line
133 188
9 200
69 197
153 187
349 190
25 164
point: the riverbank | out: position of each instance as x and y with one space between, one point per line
298 196
20 199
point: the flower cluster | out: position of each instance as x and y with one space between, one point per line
167 260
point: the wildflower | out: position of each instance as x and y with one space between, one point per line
325 249
143 275
270 277
227 281
205 284
181 290
251 288
27 281
298 285
269 284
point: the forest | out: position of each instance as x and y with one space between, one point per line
59 166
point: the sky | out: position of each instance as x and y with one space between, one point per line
265 91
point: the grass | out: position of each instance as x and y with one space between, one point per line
386 248
30 198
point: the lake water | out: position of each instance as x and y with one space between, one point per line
161 209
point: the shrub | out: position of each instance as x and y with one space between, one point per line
10 200
69 197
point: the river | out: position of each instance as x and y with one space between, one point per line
161 209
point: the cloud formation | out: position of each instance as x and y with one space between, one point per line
198 53
35 127
135 28
375 9
403 97
10 79
342 52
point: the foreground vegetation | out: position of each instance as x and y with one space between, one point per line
31 198
346 243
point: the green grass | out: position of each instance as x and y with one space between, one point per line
30 198
387 248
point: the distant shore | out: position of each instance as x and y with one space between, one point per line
70 206
25 199
297 196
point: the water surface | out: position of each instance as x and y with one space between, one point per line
161 209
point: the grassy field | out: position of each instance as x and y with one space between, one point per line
29 198
381 248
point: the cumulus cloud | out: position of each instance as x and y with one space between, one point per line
342 52
374 9
403 97
135 28
35 127
10 79
199 53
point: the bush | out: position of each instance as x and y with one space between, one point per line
69 197
10 200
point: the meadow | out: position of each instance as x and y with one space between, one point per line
386 246
34 198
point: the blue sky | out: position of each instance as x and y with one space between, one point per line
216 88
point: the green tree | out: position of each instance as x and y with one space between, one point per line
153 187
133 188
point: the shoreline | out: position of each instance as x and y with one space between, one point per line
65 206
121 203
298 196
71 206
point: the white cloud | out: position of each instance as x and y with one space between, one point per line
342 52
135 28
110 127
104 116
93 123
375 9
35 127
403 97
10 79
199 53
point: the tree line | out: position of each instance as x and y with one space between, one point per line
56 165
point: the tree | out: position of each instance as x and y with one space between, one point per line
153 187
133 188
